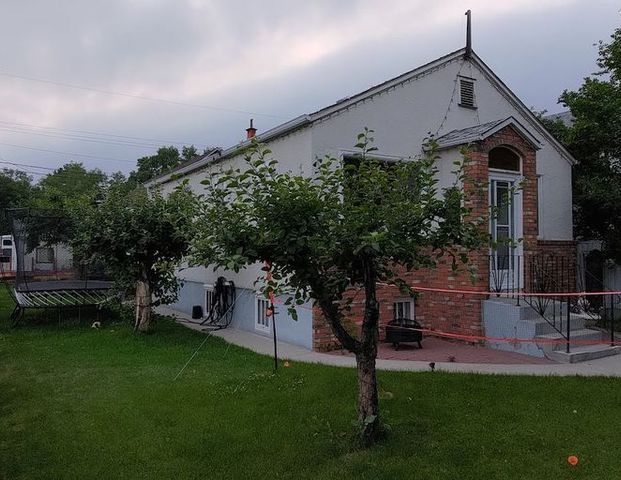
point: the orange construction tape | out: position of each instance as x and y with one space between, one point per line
459 336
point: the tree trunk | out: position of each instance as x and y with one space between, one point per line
143 306
365 350
368 401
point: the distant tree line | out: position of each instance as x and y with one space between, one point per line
594 139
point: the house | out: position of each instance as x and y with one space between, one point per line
43 260
460 101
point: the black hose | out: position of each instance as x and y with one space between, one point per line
220 313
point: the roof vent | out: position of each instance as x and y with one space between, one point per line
466 93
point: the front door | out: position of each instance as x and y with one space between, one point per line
506 231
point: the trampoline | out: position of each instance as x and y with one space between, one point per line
47 275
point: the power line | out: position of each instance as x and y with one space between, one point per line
138 97
104 134
119 143
26 165
29 172
96 157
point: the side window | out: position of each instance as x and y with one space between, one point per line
261 318
44 255
404 309
209 299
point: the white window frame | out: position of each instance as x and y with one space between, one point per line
404 301
262 322
208 294
516 210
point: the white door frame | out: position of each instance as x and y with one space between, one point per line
515 277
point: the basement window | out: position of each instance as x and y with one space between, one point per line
466 93
261 317
403 309
210 299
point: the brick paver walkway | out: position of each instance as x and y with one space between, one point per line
438 350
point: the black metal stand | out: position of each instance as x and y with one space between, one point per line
275 340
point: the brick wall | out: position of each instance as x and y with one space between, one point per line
452 312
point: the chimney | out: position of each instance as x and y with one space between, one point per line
250 131
468 52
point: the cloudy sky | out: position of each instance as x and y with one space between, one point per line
106 82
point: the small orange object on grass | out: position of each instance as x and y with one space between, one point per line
286 364
572 460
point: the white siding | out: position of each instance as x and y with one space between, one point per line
404 116
293 153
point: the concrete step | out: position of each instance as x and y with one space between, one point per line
527 312
539 326
575 339
583 353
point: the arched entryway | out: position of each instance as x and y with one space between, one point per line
506 220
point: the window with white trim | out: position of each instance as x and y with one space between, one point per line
210 298
261 318
403 309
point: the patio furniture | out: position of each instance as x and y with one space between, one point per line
400 330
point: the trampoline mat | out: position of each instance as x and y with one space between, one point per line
55 285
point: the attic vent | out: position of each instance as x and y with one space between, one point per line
466 91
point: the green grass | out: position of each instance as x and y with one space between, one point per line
78 403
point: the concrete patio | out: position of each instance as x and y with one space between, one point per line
467 358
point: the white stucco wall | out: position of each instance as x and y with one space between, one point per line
293 153
404 116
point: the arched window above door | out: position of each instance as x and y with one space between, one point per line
503 158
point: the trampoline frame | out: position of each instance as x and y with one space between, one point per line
54 293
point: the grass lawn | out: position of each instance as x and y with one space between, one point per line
78 403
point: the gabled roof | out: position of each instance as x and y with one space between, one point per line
477 133
306 120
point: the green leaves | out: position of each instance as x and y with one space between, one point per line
594 138
317 231
138 235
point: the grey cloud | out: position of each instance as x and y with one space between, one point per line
155 47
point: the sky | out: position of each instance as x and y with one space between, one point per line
107 82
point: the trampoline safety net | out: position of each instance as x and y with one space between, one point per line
44 271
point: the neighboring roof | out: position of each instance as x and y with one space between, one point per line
306 120
566 117
477 133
